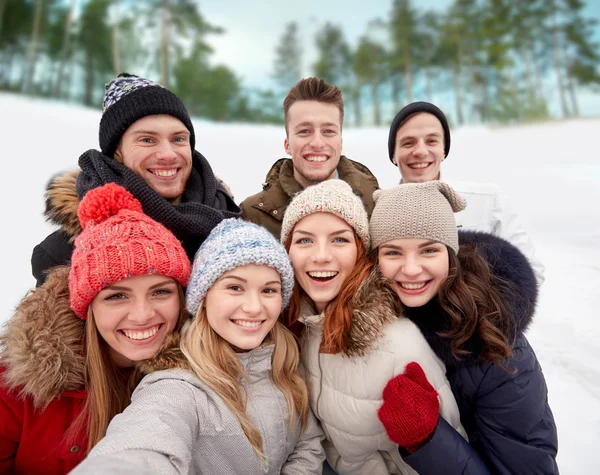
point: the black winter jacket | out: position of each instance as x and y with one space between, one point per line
504 411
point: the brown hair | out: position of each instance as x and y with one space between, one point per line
108 389
213 361
313 89
338 314
473 298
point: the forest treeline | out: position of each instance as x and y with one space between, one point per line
493 60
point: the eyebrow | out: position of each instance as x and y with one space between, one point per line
241 279
335 233
394 246
124 288
431 134
310 124
154 132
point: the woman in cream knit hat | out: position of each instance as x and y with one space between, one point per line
353 340
472 295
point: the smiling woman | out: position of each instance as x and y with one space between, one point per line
86 327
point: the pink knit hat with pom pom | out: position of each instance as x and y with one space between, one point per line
119 241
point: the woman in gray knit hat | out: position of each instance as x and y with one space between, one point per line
472 295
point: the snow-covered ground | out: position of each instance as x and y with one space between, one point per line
550 171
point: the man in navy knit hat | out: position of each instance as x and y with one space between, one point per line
418 143
147 145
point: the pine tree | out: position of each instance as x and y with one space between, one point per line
288 59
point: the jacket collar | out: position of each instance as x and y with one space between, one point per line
42 344
375 305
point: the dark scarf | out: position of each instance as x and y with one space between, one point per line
204 203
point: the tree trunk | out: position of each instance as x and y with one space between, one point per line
408 76
558 64
477 97
89 80
376 105
164 46
115 40
64 50
457 93
573 95
396 92
428 83
31 50
529 75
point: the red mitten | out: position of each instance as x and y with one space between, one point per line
410 408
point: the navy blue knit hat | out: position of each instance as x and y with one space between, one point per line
128 98
413 108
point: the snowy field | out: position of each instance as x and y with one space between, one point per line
551 172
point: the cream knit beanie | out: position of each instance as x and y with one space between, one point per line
416 211
331 196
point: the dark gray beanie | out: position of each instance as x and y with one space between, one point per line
129 98
413 108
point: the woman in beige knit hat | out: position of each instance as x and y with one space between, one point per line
353 340
472 295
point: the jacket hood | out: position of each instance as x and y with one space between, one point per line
42 344
519 296
375 305
62 203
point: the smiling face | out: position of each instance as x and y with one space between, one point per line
419 148
314 140
134 315
323 251
243 305
416 266
157 148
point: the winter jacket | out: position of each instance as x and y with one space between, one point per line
489 210
205 202
42 383
346 388
267 207
504 411
176 424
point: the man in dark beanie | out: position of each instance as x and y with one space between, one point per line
418 143
147 145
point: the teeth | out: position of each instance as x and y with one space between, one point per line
323 274
419 165
244 323
141 335
316 158
412 286
164 172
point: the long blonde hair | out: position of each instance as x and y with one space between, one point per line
213 361
108 389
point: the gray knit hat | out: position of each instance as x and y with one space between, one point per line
234 243
330 196
416 211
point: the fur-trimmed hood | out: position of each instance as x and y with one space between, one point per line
506 262
42 344
62 202
375 305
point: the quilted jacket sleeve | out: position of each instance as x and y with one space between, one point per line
514 427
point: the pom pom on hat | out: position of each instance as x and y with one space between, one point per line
101 203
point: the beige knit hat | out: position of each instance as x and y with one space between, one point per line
330 196
416 211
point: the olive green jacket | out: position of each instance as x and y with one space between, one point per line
267 207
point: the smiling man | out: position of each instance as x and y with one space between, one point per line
147 144
418 143
314 114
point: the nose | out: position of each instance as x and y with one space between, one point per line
141 313
412 267
322 253
420 149
317 141
252 305
166 151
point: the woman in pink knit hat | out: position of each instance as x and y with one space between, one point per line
69 353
